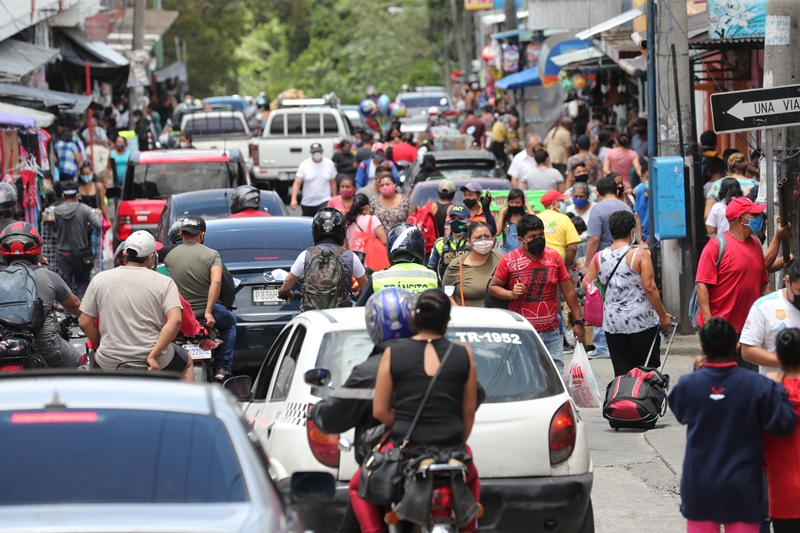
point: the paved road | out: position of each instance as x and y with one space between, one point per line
637 473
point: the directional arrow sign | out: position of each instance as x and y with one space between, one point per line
756 109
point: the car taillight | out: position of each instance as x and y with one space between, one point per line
124 221
11 369
441 502
449 114
562 434
325 447
254 153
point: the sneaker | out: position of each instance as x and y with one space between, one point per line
592 354
568 348
220 374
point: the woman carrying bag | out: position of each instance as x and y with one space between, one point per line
632 308
469 275
366 234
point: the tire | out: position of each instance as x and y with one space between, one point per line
588 520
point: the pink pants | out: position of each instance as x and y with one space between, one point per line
369 515
693 526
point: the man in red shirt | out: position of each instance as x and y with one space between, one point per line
729 290
404 151
475 127
529 278
246 202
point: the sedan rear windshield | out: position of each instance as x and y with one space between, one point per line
258 244
426 101
512 365
158 182
214 208
205 125
116 456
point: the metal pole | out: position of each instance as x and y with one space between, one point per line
446 59
177 49
770 183
91 125
511 15
458 37
159 46
139 8
652 116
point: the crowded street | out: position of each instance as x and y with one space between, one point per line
476 266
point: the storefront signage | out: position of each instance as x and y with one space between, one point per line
734 19
478 5
756 109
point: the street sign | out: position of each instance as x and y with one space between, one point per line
756 109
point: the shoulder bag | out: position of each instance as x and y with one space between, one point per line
596 293
383 472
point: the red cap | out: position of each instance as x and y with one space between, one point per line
551 196
740 206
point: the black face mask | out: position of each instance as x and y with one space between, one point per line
516 209
584 178
472 202
447 196
620 191
796 299
536 245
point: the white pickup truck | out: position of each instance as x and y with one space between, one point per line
287 139
218 130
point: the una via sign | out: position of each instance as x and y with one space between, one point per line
756 109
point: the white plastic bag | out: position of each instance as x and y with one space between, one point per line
580 380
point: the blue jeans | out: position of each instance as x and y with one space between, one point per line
70 272
554 342
599 341
226 325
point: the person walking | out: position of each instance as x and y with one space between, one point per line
118 163
632 308
592 163
559 231
367 170
621 159
558 143
74 224
516 207
717 222
469 275
347 190
91 190
728 286
524 162
737 168
363 229
582 207
68 156
446 190
542 178
391 207
454 243
344 159
317 177
722 404
529 278
365 151
479 204
474 126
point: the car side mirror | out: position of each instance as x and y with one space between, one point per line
113 193
239 386
312 487
318 377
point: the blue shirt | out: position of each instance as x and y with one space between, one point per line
642 208
362 173
121 162
65 151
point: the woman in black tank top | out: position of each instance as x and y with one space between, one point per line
406 370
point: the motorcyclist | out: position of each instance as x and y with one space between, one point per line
246 202
21 243
329 230
405 247
453 244
197 271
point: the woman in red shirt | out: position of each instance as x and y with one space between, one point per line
782 455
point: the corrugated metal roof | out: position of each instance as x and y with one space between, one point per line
18 59
619 20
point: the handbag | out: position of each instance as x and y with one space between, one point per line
596 293
383 472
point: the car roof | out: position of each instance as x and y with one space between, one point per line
213 114
288 223
79 390
350 318
210 194
486 183
446 155
157 157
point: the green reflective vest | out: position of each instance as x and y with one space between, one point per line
409 276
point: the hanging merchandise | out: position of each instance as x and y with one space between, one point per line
579 82
532 52
510 59
10 153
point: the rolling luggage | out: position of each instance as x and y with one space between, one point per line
637 399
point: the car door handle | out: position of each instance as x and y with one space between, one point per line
269 429
296 150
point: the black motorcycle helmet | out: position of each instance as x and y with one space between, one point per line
329 223
174 234
245 197
405 244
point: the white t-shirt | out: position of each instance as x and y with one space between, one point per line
316 181
520 161
585 217
540 179
717 218
768 316
299 266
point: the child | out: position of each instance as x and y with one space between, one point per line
781 454
725 408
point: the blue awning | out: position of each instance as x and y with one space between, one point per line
520 80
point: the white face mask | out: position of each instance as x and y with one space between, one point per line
316 156
483 246
184 144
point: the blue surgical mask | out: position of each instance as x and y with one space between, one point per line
756 224
580 203
86 178
75 138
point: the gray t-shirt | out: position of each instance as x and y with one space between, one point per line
50 288
370 192
189 265
131 303
541 179
598 221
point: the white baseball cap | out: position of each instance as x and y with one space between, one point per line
142 242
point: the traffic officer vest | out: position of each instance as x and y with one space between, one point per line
409 276
448 251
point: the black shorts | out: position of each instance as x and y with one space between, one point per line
179 359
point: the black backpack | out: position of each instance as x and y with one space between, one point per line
20 305
637 399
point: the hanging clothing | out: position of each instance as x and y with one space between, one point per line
10 152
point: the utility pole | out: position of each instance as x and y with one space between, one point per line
457 35
674 132
159 46
137 92
510 10
781 67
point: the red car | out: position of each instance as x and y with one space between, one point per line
152 177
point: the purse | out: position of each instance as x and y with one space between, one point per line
596 293
383 472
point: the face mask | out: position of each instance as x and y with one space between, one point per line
119 147
387 190
347 193
583 178
472 202
795 299
483 246
535 246
86 178
378 158
316 156
457 227
75 138
516 209
756 224
580 203
184 144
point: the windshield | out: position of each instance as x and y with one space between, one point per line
259 244
422 195
209 125
439 101
512 365
158 182
214 208
117 456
